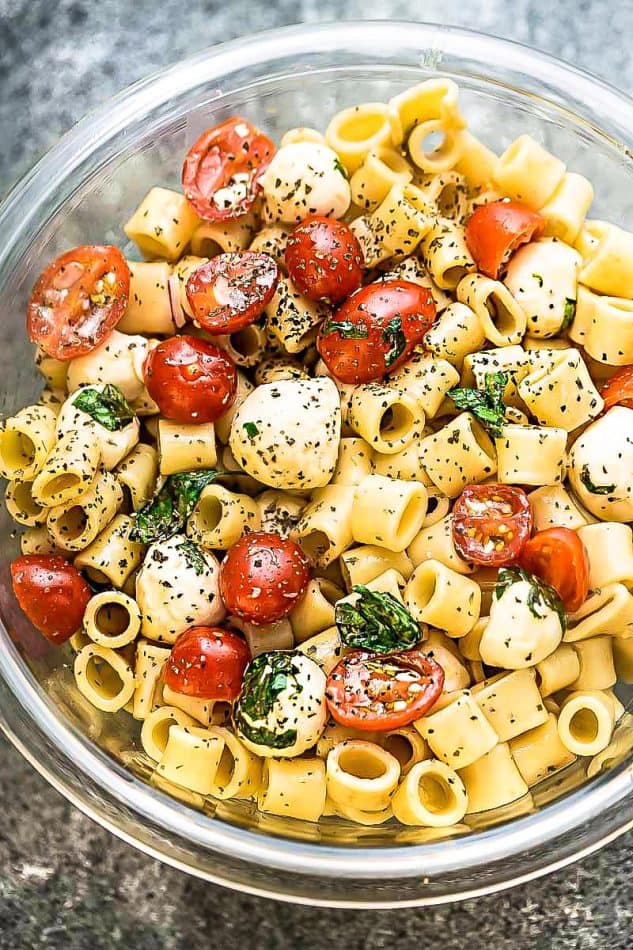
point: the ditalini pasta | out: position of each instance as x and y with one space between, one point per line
329 487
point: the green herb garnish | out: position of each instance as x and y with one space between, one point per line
251 429
393 337
376 621
486 404
569 312
108 407
541 598
538 279
340 167
585 478
193 556
347 329
167 512
254 714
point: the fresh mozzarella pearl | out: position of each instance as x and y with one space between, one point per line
305 178
543 277
115 445
515 636
601 463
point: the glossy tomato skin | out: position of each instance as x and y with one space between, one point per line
375 330
618 391
491 524
362 689
191 380
230 291
263 576
324 259
207 663
233 153
495 230
78 300
52 593
558 557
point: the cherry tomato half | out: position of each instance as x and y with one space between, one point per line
52 593
558 557
375 330
190 380
491 524
208 663
378 691
78 300
324 259
618 391
263 576
230 291
221 171
495 230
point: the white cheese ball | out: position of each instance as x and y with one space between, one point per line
601 466
515 636
114 446
286 434
543 278
177 588
119 361
305 178
294 720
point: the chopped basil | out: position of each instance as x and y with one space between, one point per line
347 329
487 404
393 337
376 621
538 279
167 512
340 167
193 556
541 598
585 478
569 312
251 429
266 677
108 407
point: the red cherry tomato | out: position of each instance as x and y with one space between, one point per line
78 300
495 230
190 380
52 593
208 663
618 391
375 330
491 524
230 291
378 691
263 576
231 156
558 557
324 259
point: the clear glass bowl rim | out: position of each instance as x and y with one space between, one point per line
103 789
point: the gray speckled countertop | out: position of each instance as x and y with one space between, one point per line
66 883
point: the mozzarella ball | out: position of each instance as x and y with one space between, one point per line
601 466
519 634
114 446
177 588
119 361
286 434
543 278
305 178
296 717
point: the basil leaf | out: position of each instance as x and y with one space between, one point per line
251 429
585 478
486 404
167 512
569 312
340 167
393 337
254 714
193 556
376 621
109 408
347 329
541 598
538 278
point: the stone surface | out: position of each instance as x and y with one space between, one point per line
66 883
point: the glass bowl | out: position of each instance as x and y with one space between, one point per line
82 191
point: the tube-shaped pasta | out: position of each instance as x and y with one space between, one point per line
68 470
595 656
112 556
75 525
363 564
104 677
449 192
301 134
405 465
459 733
623 659
37 540
223 424
432 794
528 173
438 158
162 225
22 506
324 648
558 670
603 325
400 221
27 440
412 269
447 653
54 371
185 446
239 772
387 512
456 333
406 745
609 546
446 254
199 709
493 780
324 530
361 775
512 360
272 240
156 726
245 347
477 162
221 517
439 596
138 473
502 318
469 645
381 169
531 455
117 361
315 611
511 703
335 733
608 267
552 506
112 619
566 210
436 543
280 511
356 131
562 393
388 419
354 462
457 454
292 318
212 237
191 758
294 788
149 310
586 721
263 637
608 610
426 379
539 752
430 99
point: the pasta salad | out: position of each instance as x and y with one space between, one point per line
330 486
